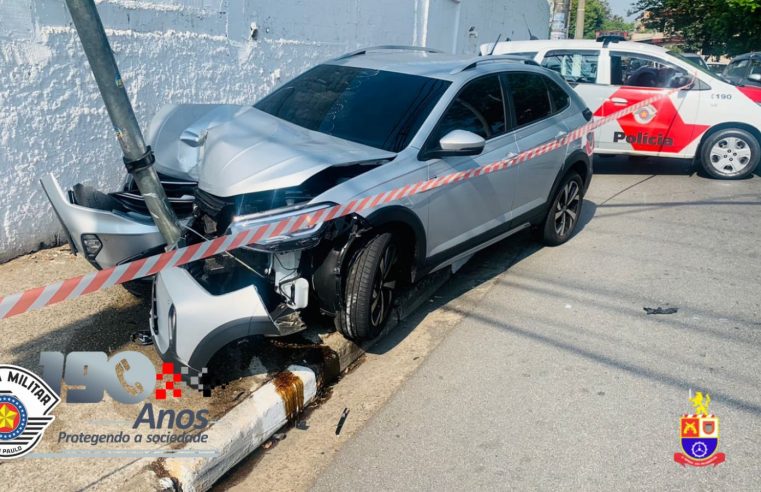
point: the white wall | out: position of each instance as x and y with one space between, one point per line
174 51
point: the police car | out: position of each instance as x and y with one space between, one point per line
710 119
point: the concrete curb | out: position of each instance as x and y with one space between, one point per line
247 426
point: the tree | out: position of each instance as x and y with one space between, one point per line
597 17
714 27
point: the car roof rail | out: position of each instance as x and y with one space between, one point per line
494 58
389 47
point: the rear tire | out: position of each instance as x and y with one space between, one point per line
370 288
564 212
730 154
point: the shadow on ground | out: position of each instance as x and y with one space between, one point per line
644 165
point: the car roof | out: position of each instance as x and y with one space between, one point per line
571 44
745 56
424 63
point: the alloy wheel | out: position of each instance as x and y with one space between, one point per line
730 156
383 288
567 208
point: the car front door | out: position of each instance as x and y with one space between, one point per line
663 127
464 212
737 70
754 76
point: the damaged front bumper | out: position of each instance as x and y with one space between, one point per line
198 308
189 324
106 237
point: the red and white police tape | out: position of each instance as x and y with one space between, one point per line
64 290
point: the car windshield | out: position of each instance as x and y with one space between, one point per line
697 65
372 107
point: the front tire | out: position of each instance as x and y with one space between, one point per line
730 154
370 288
565 211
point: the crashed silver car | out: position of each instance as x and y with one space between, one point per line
368 122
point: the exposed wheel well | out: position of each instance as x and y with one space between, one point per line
581 168
407 241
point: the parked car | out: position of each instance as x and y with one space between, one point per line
695 59
367 122
711 120
717 68
744 70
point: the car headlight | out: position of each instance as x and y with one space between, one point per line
298 232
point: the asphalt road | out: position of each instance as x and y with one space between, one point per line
556 377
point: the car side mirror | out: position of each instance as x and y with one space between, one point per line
755 77
458 142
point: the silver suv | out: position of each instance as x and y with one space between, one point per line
368 122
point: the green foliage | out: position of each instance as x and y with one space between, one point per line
597 17
714 27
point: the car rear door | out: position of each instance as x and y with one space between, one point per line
537 113
463 213
586 70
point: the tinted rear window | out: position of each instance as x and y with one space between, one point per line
372 107
560 98
530 97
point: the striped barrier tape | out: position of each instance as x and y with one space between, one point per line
64 290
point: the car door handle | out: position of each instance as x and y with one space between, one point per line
619 101
561 134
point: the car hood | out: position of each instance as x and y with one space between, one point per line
231 150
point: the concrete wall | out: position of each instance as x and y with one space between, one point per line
174 51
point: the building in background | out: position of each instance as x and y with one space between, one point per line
52 119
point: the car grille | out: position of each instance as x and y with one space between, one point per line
179 192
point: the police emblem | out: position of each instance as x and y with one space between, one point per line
699 434
25 404
645 115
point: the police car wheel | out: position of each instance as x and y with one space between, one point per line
730 154
565 211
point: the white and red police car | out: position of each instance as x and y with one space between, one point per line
710 119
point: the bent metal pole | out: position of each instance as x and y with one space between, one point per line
138 159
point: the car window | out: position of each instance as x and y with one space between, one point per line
755 68
558 97
372 107
574 66
642 71
737 69
478 108
529 97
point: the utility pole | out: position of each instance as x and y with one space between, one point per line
580 20
138 158
559 14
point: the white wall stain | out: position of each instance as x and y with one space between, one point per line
178 51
